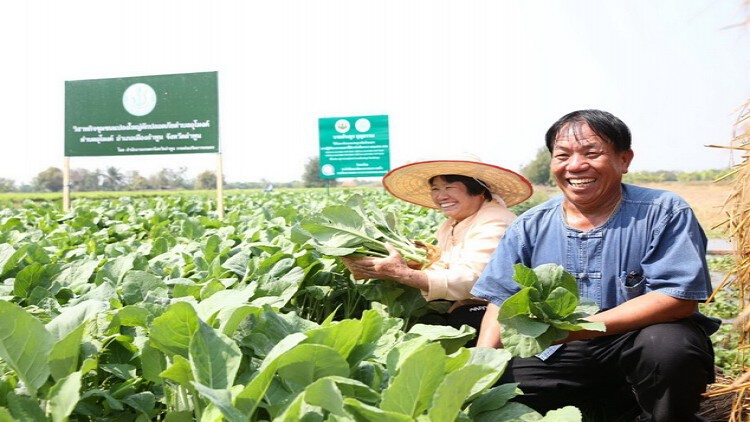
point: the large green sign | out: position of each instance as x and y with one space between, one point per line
354 146
162 114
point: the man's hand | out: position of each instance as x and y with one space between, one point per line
489 333
642 311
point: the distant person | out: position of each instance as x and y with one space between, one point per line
269 188
640 254
475 197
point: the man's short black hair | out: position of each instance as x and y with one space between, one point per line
605 125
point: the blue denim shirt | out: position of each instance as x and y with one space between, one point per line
653 234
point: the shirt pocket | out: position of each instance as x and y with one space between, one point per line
632 284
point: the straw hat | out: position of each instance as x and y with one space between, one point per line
410 182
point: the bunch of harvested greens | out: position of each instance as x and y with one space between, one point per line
354 229
545 309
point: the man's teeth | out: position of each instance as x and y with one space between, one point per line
580 182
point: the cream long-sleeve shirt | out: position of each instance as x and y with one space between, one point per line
466 247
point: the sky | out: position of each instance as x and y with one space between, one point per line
486 77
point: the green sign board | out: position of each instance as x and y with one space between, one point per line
162 114
354 146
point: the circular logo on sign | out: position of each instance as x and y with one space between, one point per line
139 99
327 170
362 125
342 126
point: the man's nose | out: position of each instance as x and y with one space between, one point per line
577 162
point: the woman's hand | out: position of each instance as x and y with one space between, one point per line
393 267
389 268
357 265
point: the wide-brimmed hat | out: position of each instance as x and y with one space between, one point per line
410 181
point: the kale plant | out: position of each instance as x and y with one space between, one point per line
544 311
358 230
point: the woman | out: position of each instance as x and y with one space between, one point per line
475 197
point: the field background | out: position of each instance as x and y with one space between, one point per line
141 252
706 199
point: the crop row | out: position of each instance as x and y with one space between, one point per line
154 309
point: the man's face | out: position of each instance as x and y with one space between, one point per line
587 169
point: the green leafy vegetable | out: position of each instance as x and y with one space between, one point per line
152 309
24 345
545 309
355 229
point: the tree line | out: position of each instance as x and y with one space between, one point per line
113 179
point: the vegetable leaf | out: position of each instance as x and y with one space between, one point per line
354 229
545 309
25 345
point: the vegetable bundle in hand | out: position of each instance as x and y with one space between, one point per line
354 230
545 309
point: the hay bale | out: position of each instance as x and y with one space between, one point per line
726 400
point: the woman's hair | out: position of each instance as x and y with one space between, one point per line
605 125
474 187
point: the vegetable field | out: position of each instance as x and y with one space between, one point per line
154 309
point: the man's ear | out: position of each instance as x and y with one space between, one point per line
627 158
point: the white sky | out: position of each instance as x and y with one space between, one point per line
485 76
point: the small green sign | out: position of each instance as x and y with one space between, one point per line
162 114
354 146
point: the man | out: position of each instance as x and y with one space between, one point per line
640 254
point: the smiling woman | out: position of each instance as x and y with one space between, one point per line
474 196
457 196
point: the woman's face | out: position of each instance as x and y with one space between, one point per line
453 199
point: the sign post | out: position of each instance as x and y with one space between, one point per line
354 146
163 114
160 114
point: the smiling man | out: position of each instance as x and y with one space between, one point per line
640 254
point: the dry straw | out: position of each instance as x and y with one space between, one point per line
732 397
